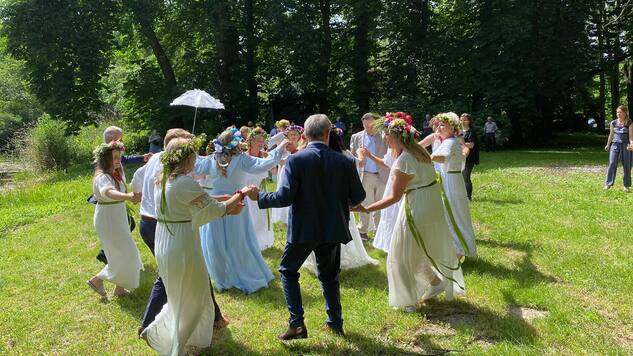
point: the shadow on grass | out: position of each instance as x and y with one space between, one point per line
526 273
487 199
483 322
134 304
224 344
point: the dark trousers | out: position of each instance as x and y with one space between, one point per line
490 142
619 152
158 296
468 169
328 260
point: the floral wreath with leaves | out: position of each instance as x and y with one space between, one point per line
105 148
451 119
295 128
398 123
254 134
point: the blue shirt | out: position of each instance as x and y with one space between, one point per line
371 145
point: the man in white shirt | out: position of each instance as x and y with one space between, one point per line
490 128
373 176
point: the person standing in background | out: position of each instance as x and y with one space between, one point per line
155 142
619 137
490 128
373 176
471 151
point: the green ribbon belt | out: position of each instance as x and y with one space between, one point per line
451 217
163 221
454 172
110 202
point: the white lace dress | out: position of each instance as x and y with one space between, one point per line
187 318
453 183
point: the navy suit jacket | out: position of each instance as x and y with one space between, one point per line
320 185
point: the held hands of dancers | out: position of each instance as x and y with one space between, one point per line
235 203
359 209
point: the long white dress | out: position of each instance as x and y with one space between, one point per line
280 214
260 217
353 253
110 220
409 268
187 318
453 182
388 215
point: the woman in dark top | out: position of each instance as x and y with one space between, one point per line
471 150
617 143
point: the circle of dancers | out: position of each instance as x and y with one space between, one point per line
207 218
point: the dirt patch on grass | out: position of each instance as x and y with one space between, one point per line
527 314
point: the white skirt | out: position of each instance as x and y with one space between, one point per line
124 261
187 318
409 269
456 193
353 254
387 221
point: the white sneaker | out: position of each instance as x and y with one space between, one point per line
433 291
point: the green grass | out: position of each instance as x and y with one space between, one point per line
548 238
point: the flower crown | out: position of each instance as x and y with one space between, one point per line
170 159
451 119
296 128
255 133
104 148
235 142
397 123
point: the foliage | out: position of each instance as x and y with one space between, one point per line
48 146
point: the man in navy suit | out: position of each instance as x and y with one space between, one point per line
320 185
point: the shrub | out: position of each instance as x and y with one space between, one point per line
48 146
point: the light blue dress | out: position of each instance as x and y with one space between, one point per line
229 245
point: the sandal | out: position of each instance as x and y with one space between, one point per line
101 291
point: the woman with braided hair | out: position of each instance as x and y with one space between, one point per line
421 262
229 244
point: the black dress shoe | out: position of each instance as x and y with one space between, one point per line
336 331
294 333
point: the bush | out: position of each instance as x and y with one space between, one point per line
48 146
85 141
136 142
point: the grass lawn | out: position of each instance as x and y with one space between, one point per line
549 239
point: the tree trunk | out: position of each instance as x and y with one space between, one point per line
601 96
628 78
360 57
326 54
251 65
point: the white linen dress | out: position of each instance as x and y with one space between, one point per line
453 183
110 220
409 269
187 318
388 215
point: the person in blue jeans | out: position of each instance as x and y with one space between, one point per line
619 145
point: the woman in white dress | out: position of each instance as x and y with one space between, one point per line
261 217
293 134
187 318
421 262
111 222
449 155
353 254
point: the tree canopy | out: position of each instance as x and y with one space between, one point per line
533 65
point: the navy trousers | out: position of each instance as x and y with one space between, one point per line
158 296
619 152
328 259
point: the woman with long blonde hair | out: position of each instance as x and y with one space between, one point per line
187 318
230 246
421 262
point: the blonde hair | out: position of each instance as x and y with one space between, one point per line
411 146
174 133
181 167
110 132
625 110
282 123
223 158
